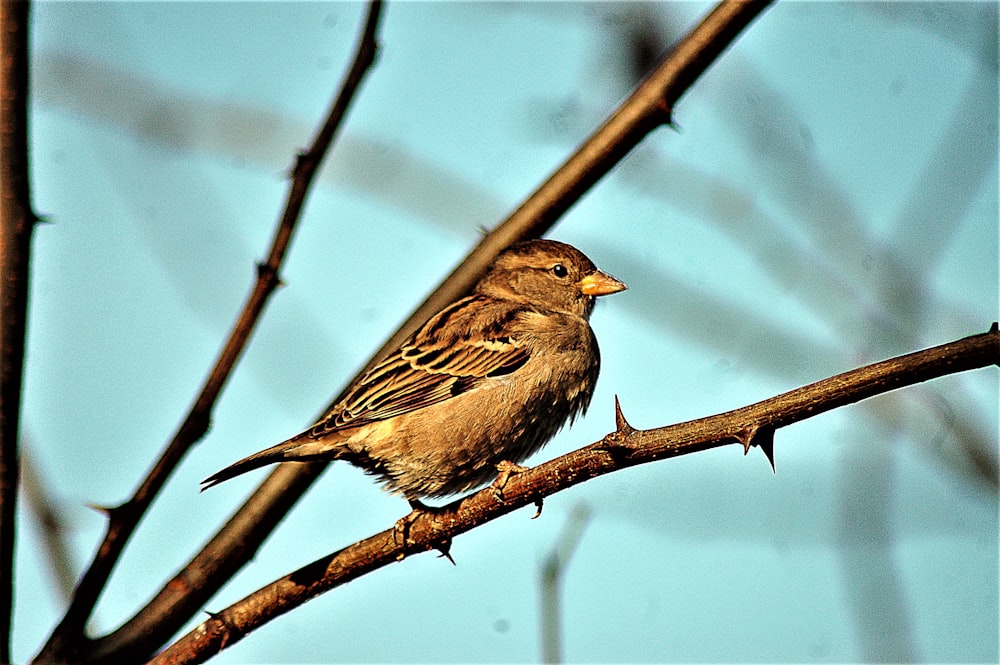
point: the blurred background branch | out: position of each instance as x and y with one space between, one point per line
552 574
49 516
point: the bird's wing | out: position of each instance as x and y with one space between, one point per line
451 354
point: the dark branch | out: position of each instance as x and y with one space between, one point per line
17 219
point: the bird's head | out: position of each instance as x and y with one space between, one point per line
549 275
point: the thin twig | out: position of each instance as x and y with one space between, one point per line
142 635
434 530
17 220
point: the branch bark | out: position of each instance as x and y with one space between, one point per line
625 447
142 635
17 220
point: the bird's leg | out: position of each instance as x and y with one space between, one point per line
402 525
401 529
418 506
538 508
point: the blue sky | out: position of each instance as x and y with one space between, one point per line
830 199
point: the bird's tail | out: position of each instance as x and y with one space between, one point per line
293 450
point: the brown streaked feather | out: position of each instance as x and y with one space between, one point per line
429 368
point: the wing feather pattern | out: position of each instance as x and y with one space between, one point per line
430 368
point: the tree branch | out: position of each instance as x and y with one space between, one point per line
434 530
17 220
142 635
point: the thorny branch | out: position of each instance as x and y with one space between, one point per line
625 447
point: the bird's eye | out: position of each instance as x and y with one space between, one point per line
559 270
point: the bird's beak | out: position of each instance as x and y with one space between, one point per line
600 284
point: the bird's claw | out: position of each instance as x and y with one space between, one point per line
505 469
538 508
401 529
401 533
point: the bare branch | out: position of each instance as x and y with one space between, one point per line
17 220
142 635
625 447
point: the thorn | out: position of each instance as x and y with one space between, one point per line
301 157
762 437
993 328
767 447
444 548
746 437
104 510
620 423
666 113
218 616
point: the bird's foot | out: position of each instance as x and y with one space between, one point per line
401 529
505 469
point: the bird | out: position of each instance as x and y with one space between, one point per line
486 381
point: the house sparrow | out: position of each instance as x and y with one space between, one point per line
488 379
